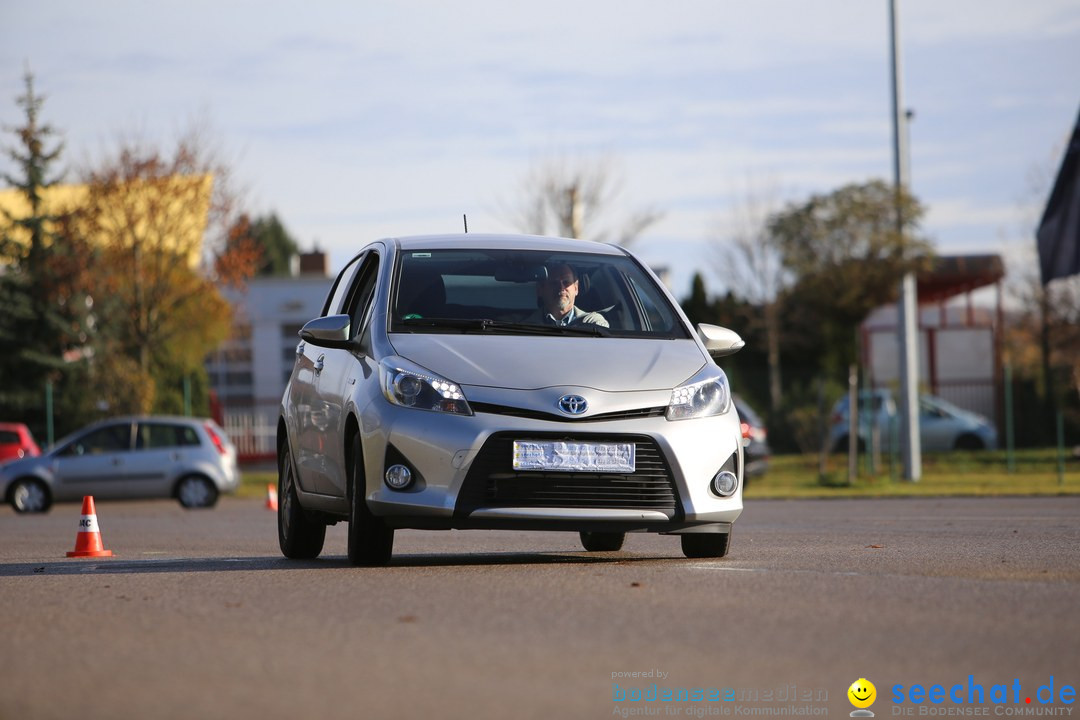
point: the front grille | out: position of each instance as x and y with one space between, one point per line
510 411
492 482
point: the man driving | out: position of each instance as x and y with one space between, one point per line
558 292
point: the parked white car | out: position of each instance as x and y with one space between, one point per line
434 393
942 425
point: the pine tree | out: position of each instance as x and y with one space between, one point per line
42 271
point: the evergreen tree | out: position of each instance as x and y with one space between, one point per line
697 306
44 326
277 245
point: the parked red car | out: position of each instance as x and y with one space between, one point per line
16 442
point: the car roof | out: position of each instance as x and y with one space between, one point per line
476 241
146 418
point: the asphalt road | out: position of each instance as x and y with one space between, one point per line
198 616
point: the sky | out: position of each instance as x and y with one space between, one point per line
354 121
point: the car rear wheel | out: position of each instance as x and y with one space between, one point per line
602 541
371 542
706 545
299 536
196 491
29 495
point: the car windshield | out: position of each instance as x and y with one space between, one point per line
529 292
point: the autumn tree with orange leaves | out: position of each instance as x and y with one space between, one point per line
161 223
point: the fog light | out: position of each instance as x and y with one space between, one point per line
398 477
724 483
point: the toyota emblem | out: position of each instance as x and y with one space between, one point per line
573 404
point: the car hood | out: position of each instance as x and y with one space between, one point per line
527 362
18 466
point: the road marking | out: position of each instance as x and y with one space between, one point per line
792 571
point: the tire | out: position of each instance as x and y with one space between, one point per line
371 542
969 442
602 541
706 545
30 495
299 536
196 491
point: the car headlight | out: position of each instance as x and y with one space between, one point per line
703 395
411 386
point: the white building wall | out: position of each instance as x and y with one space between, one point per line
957 356
251 378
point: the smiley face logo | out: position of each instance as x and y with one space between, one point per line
862 693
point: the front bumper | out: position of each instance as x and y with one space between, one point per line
464 480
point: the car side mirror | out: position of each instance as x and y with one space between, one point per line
719 341
331 331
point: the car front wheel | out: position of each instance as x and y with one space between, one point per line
300 537
706 545
30 496
371 542
602 541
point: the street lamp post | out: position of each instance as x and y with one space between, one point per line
908 305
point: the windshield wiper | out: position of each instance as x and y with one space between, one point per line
489 325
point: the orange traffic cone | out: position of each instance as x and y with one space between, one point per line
88 541
271 497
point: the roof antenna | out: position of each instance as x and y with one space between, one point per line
465 218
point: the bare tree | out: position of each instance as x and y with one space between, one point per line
574 198
749 262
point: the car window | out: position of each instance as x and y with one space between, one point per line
747 415
156 435
443 290
652 307
336 298
360 299
108 439
9 437
931 409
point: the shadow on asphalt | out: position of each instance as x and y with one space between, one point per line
117 566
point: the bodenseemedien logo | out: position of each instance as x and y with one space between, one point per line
862 695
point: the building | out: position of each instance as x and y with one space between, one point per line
176 207
249 371
959 342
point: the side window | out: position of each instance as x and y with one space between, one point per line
362 297
657 316
111 438
153 436
344 282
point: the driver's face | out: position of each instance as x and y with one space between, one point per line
559 291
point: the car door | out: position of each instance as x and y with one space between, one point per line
94 463
309 424
937 428
339 372
158 457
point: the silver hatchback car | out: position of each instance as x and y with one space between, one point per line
190 459
506 382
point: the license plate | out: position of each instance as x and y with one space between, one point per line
567 456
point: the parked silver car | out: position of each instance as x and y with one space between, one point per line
437 391
942 425
190 459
